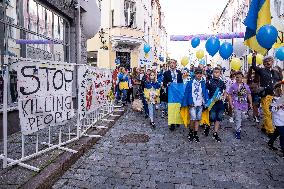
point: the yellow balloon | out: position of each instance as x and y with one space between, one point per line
184 61
200 54
236 64
146 55
259 59
249 59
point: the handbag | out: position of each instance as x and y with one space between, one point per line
137 105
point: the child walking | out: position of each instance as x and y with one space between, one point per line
152 93
122 82
277 109
196 96
217 110
239 96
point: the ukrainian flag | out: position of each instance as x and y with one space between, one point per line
258 15
175 97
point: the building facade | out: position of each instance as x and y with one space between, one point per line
43 30
231 20
126 25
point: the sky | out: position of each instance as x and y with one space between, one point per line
185 17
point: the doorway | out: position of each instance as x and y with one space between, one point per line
125 59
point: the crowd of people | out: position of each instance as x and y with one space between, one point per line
258 89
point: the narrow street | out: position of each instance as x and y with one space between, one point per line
168 160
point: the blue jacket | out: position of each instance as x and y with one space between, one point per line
160 77
188 100
122 77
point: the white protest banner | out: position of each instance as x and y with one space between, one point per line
146 59
94 85
86 77
45 95
103 85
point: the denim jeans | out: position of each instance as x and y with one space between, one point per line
151 111
195 113
124 95
145 104
164 106
217 111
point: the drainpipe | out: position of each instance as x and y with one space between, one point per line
78 61
78 32
5 73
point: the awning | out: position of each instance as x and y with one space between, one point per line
127 44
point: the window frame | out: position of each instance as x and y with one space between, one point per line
131 7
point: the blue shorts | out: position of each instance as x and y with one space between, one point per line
217 112
195 113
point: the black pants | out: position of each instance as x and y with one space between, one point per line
130 96
279 131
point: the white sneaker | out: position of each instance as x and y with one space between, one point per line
256 119
231 120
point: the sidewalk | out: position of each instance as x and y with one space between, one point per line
52 164
164 159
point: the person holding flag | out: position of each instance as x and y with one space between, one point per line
172 76
217 90
268 79
195 96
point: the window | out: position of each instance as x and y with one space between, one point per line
10 30
92 57
130 13
39 19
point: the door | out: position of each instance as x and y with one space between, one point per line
124 58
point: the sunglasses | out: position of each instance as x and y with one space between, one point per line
267 61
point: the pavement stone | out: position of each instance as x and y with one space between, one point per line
168 160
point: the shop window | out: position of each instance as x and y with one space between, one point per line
40 23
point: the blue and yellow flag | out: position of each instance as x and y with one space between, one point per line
258 15
216 96
175 97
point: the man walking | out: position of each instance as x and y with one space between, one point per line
268 79
172 76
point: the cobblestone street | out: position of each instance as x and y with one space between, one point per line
168 160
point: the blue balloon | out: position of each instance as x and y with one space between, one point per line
202 62
267 36
195 42
280 54
117 61
147 48
226 50
212 45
